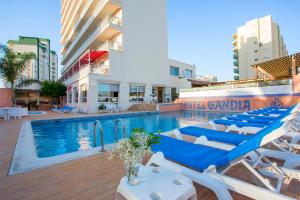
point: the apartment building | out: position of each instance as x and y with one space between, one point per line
44 66
257 41
115 52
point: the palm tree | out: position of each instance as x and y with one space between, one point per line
12 65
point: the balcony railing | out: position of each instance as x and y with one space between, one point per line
108 45
100 28
260 83
235 56
235 63
106 21
102 69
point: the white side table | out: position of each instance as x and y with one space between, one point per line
157 183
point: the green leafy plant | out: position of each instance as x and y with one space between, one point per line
12 65
53 89
101 107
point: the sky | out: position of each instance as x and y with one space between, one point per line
199 31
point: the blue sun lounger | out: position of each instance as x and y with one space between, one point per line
214 135
238 123
251 120
200 157
256 116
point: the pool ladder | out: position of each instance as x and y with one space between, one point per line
116 129
97 122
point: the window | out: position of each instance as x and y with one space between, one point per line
174 94
188 73
75 91
83 93
174 71
255 51
256 59
70 96
108 92
136 92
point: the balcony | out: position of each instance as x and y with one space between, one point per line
83 22
102 69
235 63
235 50
110 45
235 56
107 28
236 78
236 70
234 36
234 43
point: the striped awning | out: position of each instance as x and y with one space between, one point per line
279 68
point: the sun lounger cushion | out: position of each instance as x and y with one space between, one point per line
238 123
198 157
251 120
219 136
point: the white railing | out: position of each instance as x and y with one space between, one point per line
108 45
79 19
102 69
100 28
240 85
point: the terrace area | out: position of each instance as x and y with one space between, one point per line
93 177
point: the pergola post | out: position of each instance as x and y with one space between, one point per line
256 73
294 72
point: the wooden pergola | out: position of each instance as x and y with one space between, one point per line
280 68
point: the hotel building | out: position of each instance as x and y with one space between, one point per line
116 53
257 41
44 66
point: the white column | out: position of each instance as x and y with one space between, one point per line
92 97
148 92
124 95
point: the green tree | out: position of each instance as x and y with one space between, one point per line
12 65
53 89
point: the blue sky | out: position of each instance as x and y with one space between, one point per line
199 31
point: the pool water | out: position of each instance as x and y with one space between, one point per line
56 137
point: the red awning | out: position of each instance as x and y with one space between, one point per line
92 55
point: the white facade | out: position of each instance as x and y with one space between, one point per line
257 41
38 68
113 54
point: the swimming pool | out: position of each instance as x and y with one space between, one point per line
61 136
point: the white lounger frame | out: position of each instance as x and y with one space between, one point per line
220 184
259 159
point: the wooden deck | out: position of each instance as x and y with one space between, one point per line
93 177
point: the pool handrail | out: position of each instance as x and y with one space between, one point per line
97 122
116 129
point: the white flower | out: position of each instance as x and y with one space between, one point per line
132 150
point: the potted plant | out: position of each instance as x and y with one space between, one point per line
101 107
132 150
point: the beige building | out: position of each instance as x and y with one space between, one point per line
44 66
115 52
257 41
